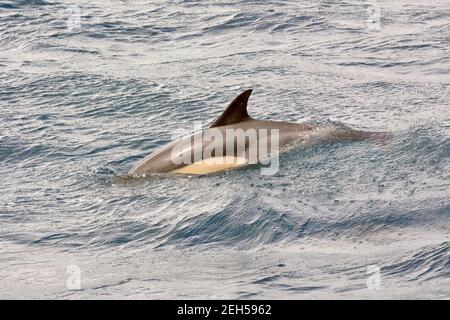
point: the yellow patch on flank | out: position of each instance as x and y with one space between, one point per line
211 165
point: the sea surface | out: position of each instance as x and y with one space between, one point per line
89 88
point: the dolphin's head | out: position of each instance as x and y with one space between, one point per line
159 161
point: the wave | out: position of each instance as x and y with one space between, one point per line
15 4
426 264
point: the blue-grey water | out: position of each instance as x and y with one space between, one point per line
88 90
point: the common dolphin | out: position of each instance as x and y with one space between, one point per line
234 152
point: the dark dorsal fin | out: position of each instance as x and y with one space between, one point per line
235 112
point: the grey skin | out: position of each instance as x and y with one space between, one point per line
236 117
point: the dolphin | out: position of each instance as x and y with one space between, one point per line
232 151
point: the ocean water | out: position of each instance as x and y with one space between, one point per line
89 89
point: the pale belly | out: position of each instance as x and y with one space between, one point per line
212 165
